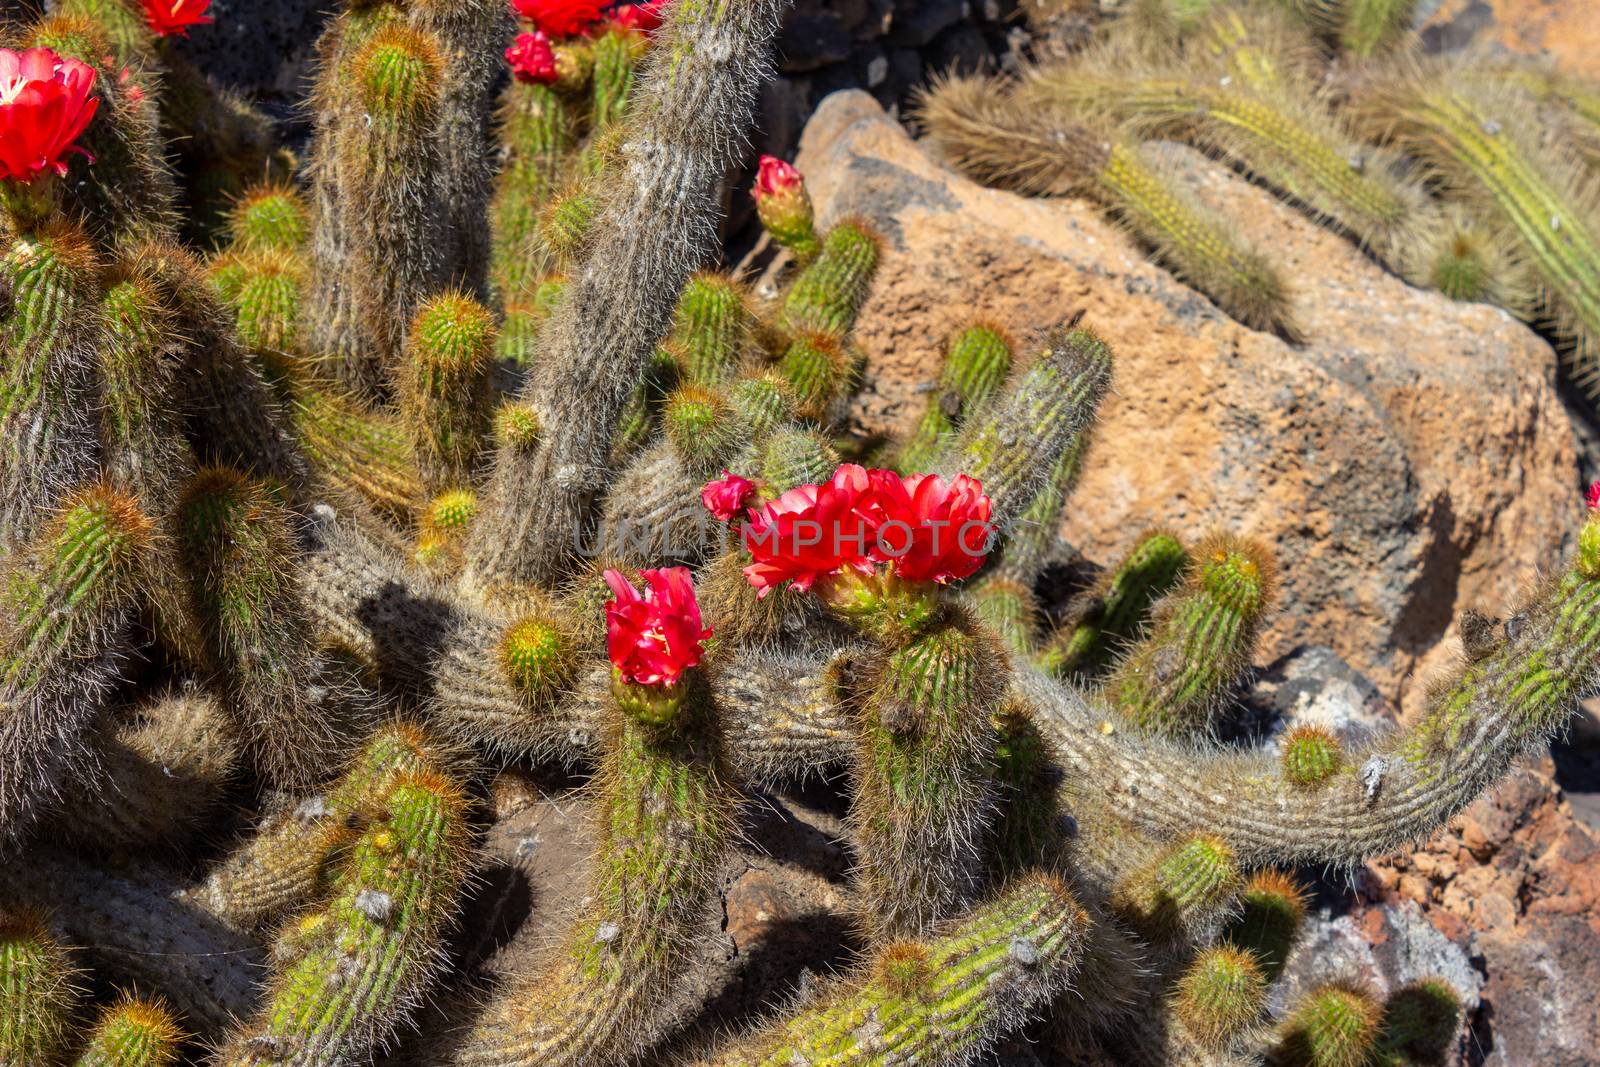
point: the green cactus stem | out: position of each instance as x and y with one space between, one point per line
924 785
617 52
1222 992
666 820
1272 908
538 130
36 991
711 330
65 604
1190 887
444 392
133 1032
349 974
270 218
1117 607
1331 1026
828 294
1201 640
976 362
941 1000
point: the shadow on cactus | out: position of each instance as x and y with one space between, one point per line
449 457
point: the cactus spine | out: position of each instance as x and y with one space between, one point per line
976 362
1118 606
444 397
36 993
133 1032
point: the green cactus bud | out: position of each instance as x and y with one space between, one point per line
1272 908
65 603
538 657
1311 756
924 784
1222 992
762 403
48 349
133 1032
140 429
266 300
699 427
667 820
444 392
1420 1021
397 75
1203 637
829 293
814 365
566 224
1122 600
36 992
793 456
349 974
943 1000
1016 446
1332 1026
516 427
272 217
1184 889
442 533
239 546
711 330
976 362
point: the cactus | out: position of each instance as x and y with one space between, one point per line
36 991
133 1032
302 538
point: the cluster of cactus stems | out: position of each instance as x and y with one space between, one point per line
344 511
1431 165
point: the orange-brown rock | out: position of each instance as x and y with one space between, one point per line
1411 459
1566 31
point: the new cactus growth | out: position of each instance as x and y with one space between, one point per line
300 542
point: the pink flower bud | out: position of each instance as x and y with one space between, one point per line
725 497
532 59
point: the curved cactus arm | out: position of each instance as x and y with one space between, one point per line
1117 607
939 1001
693 102
1512 696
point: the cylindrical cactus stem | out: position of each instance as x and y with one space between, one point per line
272 217
1007 142
1466 259
976 362
1017 443
282 863
265 290
1009 608
134 1032
537 130
793 456
127 33
923 773
828 294
1331 1026
65 604
666 820
1472 140
1420 1022
473 35
49 346
1185 891
141 429
37 996
1201 640
442 531
1221 993
1119 604
379 234
701 429
762 403
1036 536
653 511
711 330
1368 27
517 347
1027 828
348 975
128 194
160 771
1272 908
940 1000
640 419
617 52
444 393
655 223
239 547
566 225
367 454
817 369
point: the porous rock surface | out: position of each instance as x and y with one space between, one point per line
1411 459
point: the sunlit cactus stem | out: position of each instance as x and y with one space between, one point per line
133 1032
37 993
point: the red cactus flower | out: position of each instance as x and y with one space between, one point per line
646 17
775 177
175 16
725 497
532 59
935 531
814 531
44 107
560 18
1592 497
654 636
